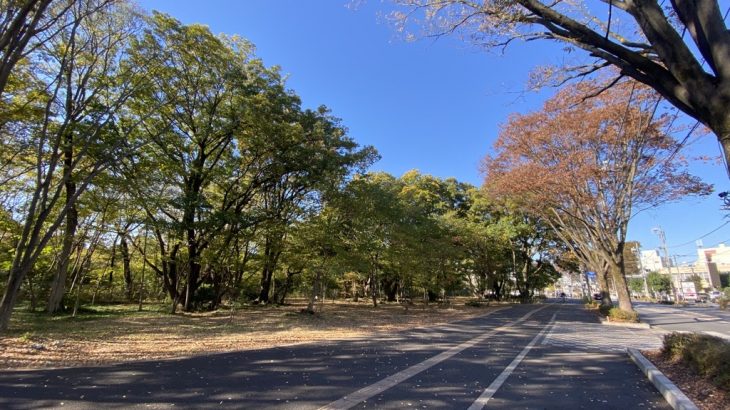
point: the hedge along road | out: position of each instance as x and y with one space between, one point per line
531 356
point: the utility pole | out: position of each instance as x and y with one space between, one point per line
658 231
680 276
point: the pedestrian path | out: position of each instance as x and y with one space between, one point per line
595 337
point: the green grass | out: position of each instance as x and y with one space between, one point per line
89 321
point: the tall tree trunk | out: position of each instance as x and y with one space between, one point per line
282 292
272 252
31 293
58 288
18 272
374 288
315 291
622 288
193 270
128 280
266 274
602 277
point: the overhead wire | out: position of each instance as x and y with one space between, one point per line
703 236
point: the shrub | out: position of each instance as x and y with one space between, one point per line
592 305
619 315
605 309
723 302
709 356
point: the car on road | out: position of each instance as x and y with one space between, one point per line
714 295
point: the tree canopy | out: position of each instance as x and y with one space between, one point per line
681 49
588 166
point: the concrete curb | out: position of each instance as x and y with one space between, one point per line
671 393
626 324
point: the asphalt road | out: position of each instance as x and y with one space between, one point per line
701 317
529 356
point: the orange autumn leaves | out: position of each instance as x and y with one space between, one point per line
613 152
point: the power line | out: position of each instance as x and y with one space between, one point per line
721 242
703 236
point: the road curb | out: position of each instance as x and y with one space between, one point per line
671 393
626 324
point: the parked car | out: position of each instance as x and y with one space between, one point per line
702 298
597 296
714 295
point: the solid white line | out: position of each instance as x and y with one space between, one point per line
397 378
497 383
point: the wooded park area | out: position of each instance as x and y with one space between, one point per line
144 160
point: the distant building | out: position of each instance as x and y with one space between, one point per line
710 264
651 261
719 255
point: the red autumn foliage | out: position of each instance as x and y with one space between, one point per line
589 164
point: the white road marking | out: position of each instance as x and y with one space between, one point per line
497 383
367 392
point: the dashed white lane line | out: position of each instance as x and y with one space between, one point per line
367 392
482 401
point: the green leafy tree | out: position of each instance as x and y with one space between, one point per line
697 280
659 283
82 86
636 285
220 118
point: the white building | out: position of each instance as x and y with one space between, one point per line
719 255
651 261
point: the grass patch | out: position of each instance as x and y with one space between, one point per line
708 356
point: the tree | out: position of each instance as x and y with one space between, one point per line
631 258
697 281
318 158
485 239
587 166
636 285
681 49
24 26
207 142
82 85
373 213
658 283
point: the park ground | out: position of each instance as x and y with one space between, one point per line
119 333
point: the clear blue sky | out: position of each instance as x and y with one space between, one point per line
433 105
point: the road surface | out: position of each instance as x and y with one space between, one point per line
550 356
700 317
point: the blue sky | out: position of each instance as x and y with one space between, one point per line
432 105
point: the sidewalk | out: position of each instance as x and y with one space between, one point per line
583 331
